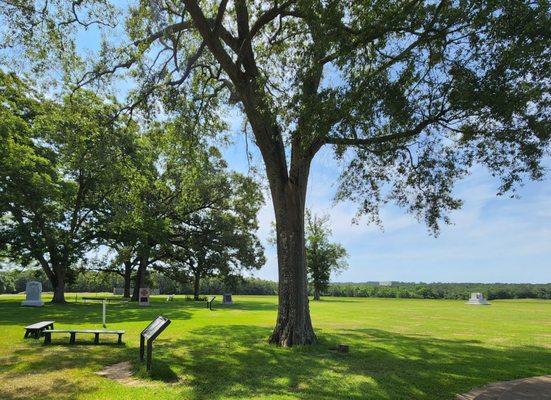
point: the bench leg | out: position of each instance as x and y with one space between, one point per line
47 337
120 339
26 334
72 340
96 338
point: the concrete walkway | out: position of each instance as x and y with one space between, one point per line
535 388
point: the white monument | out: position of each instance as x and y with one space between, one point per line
143 298
478 299
33 291
227 299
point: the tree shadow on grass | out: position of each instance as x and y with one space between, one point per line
236 361
55 389
11 313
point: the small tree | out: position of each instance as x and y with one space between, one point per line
322 256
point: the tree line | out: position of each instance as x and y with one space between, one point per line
452 291
14 281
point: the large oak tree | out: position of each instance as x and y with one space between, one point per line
58 162
409 93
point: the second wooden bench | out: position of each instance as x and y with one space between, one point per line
73 332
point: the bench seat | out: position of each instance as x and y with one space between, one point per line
35 330
73 333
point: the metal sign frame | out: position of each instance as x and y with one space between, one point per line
145 335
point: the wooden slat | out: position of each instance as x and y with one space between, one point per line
39 325
85 331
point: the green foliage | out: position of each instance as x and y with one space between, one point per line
323 258
420 91
58 162
452 291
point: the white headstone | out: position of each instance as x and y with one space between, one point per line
33 292
143 298
227 299
478 299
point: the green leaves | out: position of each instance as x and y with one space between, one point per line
322 257
58 162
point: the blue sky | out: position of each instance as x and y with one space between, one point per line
493 239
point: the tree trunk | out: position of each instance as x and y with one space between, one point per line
293 326
58 285
316 293
140 274
127 278
196 281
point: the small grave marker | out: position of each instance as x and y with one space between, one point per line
144 297
227 299
33 291
148 335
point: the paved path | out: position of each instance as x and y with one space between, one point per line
536 388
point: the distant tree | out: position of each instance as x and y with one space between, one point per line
322 257
58 162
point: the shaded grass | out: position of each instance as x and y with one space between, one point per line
399 349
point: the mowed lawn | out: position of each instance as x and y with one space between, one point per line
399 349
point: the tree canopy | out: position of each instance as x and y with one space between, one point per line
58 162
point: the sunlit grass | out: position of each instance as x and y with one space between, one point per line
399 349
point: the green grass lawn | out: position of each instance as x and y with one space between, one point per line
399 349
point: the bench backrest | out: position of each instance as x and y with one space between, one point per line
155 327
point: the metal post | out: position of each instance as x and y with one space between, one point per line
104 310
149 351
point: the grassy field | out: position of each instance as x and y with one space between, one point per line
399 349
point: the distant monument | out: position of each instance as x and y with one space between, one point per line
226 298
478 299
33 291
143 298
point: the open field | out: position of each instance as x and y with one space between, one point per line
399 349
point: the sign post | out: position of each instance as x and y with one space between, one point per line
104 311
148 335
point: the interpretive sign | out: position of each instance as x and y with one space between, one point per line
149 334
143 298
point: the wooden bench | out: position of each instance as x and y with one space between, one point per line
73 333
209 302
35 330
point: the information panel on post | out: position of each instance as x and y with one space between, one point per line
149 334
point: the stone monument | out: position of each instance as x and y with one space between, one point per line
478 299
143 298
33 291
226 298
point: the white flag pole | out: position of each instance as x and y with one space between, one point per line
104 310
